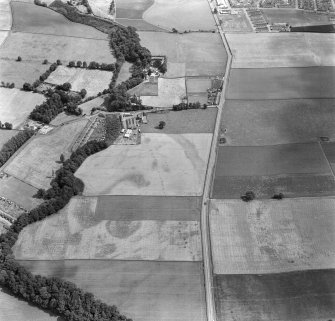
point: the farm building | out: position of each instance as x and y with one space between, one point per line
129 120
222 4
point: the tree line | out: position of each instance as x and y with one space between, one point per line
59 296
13 144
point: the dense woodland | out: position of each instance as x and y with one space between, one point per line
13 144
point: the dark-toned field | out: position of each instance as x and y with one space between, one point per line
139 24
30 18
282 83
297 296
180 122
132 9
126 208
266 122
329 150
144 291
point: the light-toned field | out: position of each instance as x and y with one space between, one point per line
72 234
235 22
37 47
16 105
181 14
62 119
270 122
132 9
170 165
294 296
282 83
200 97
272 236
283 49
207 59
170 92
20 72
198 85
142 290
94 81
146 88
5 135
3 36
14 309
35 163
87 107
124 73
139 24
19 192
181 122
5 15
100 8
30 18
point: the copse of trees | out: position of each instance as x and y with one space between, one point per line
113 128
13 144
6 125
184 106
7 85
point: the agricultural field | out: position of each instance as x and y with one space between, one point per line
181 122
19 192
14 309
329 150
100 8
284 49
270 122
94 81
202 98
35 163
282 83
20 72
30 18
294 17
124 73
197 85
164 164
293 169
16 105
73 234
5 15
3 36
298 296
62 119
143 290
199 54
37 47
272 236
87 106
146 88
6 135
139 24
170 92
132 9
176 14
235 23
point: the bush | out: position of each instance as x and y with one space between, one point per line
249 196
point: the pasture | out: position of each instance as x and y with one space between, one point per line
16 105
202 98
5 15
30 18
177 14
124 73
294 17
163 164
329 150
207 59
272 236
132 9
19 192
100 8
139 24
282 83
182 122
283 49
71 234
143 290
94 81
37 47
270 122
87 106
235 22
6 135
198 85
20 72
298 296
146 88
35 163
170 92
14 309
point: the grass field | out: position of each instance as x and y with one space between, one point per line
143 290
235 23
170 92
296 296
184 52
87 107
266 122
282 83
329 150
72 234
139 24
35 163
201 98
37 47
124 73
271 236
19 192
94 81
145 89
30 18
5 135
5 15
164 164
284 49
16 105
62 118
132 9
100 8
181 122
294 17
3 36
20 72
198 85
181 14
13 309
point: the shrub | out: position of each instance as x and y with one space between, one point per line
249 196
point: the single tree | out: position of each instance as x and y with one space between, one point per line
66 86
19 58
83 93
79 64
8 125
62 158
27 87
84 64
45 61
58 62
71 64
161 124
